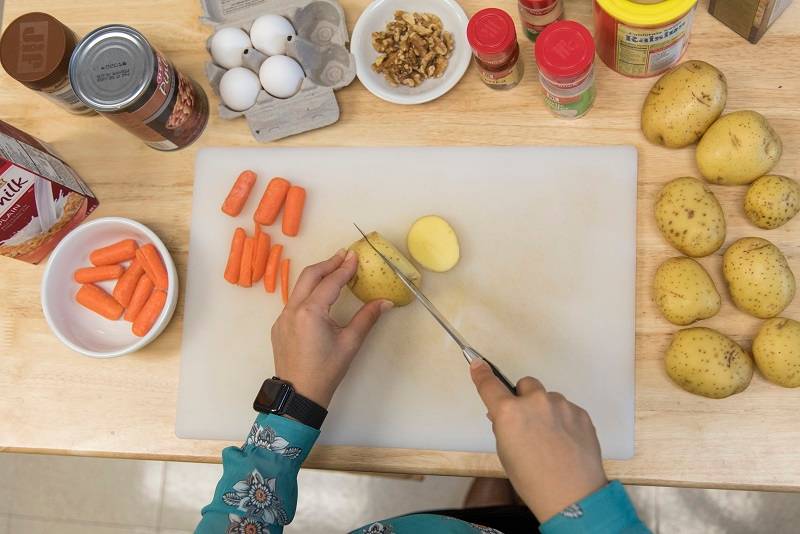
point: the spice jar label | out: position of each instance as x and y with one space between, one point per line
641 51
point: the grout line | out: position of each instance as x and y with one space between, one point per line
77 521
162 493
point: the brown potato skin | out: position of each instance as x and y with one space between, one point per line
776 350
690 217
684 292
771 201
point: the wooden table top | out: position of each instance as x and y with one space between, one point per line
55 401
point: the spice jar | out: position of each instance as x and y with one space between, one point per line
493 39
536 15
565 56
115 71
638 38
35 50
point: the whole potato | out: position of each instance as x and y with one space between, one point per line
758 276
690 217
683 103
684 292
374 279
738 148
705 362
776 350
771 201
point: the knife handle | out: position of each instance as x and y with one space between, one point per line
471 354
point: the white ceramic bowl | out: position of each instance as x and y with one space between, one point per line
83 330
375 17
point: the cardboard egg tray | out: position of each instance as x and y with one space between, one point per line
320 47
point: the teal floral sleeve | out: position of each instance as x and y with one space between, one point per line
257 493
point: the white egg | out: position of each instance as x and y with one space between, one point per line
239 88
281 76
269 34
227 46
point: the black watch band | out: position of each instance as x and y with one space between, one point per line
279 397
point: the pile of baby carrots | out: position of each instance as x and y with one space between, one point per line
255 258
141 289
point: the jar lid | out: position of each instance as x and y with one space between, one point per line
35 50
491 31
640 13
564 50
112 67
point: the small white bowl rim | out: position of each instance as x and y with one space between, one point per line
166 313
387 94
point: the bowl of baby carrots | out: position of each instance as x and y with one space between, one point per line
109 288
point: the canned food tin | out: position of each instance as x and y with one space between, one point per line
115 71
640 39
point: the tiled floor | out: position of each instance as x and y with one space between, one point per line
48 494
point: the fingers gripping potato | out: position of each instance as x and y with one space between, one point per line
683 103
690 217
684 292
759 278
776 350
705 362
374 279
771 201
738 148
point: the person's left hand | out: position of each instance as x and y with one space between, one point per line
311 351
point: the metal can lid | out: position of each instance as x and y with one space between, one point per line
35 50
111 67
564 51
491 32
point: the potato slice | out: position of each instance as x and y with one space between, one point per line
433 243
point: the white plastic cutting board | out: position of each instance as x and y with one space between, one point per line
545 286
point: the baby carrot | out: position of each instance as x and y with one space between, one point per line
285 281
272 201
293 212
271 272
256 228
239 193
117 253
126 285
140 295
153 266
88 275
261 255
235 256
150 312
246 267
92 297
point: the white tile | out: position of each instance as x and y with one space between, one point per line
644 500
6 482
118 492
725 511
4 521
339 502
30 525
187 488
173 531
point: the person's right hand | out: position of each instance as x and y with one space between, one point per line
547 445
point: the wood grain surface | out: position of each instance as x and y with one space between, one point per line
55 401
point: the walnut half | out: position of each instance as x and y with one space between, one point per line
413 48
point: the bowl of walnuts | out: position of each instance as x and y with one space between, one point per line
411 51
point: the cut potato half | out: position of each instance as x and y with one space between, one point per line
433 243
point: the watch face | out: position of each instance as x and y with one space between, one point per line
273 396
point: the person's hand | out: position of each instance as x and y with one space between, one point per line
311 351
547 445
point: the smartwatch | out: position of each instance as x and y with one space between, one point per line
279 397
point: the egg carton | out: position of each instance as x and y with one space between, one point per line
320 47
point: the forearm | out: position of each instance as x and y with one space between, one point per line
259 479
607 510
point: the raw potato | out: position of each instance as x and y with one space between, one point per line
433 243
760 280
705 362
374 279
683 103
690 217
684 292
738 148
771 201
776 350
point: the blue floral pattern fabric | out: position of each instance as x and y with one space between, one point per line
266 438
257 498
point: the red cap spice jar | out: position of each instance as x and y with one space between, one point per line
35 50
565 56
115 71
536 15
493 38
